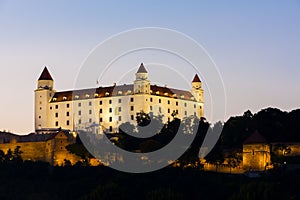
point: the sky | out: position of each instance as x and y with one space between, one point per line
254 44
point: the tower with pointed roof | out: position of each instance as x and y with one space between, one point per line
43 94
141 83
198 92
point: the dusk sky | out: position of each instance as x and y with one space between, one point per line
255 45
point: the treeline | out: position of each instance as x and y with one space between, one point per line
275 125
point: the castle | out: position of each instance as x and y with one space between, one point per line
105 108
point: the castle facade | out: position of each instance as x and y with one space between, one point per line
104 109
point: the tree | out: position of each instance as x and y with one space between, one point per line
233 160
142 118
17 155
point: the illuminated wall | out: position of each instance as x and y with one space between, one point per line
256 156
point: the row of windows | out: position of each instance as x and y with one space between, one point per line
67 123
67 114
56 106
110 119
120 101
119 110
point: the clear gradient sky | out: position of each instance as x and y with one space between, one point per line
255 44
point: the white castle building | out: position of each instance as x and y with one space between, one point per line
105 108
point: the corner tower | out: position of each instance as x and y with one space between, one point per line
198 94
43 94
141 83
197 90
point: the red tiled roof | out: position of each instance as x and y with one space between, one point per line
255 138
45 75
196 79
142 69
119 90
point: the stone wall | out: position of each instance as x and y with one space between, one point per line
256 156
31 150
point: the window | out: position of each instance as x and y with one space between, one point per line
110 110
106 93
185 113
168 110
90 112
176 103
68 114
168 101
79 121
252 152
100 111
100 102
39 117
68 105
90 103
79 112
132 117
56 115
194 105
79 104
120 109
168 119
110 101
110 119
100 119
151 108
151 100
195 114
120 100
184 104
110 128
159 109
131 108
56 106
120 118
131 99
159 100
40 108
64 98
87 96
68 123
50 107
90 120
56 123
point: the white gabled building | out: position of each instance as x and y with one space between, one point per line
105 108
